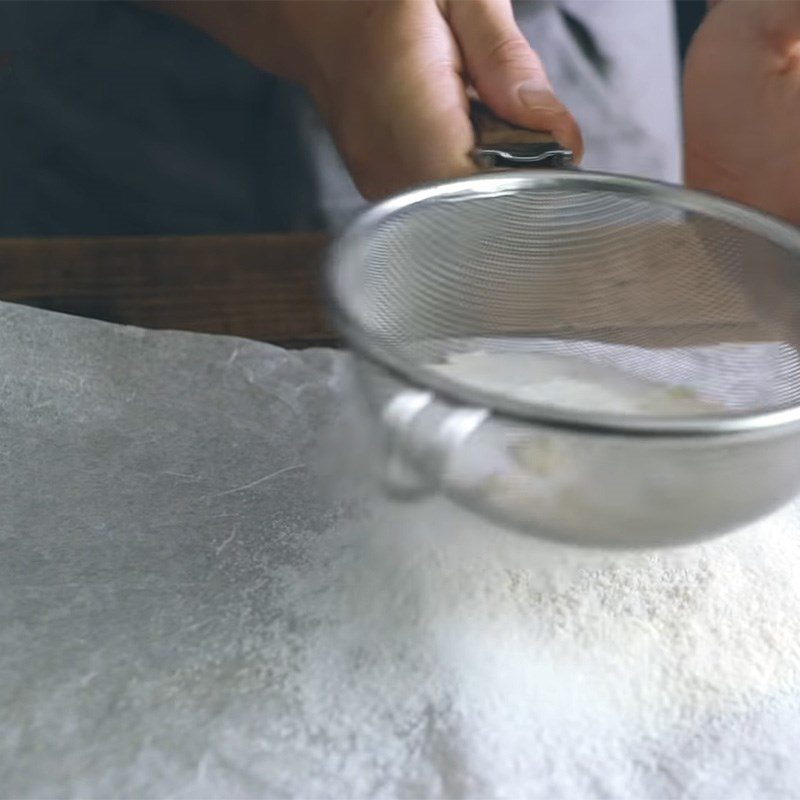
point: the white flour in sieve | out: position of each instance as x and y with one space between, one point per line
570 383
535 475
419 652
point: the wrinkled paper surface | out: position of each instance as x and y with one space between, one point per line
162 515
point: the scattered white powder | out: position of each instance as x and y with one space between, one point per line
419 652
423 654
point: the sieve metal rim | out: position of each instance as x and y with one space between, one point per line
357 235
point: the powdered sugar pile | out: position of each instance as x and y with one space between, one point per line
416 651
423 654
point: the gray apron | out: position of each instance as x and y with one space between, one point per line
122 121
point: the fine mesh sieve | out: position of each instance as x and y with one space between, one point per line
476 304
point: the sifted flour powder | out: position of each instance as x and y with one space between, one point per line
571 383
417 651
423 654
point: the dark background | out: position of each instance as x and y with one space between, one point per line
689 14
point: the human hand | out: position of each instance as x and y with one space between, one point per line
389 79
389 76
742 105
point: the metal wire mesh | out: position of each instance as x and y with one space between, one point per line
651 285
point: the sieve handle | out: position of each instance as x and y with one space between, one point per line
423 436
500 144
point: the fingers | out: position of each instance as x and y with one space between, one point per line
507 73
424 135
402 120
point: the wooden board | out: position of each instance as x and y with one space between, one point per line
268 288
261 287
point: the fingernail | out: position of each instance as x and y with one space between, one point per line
533 95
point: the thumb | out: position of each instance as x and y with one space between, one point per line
508 75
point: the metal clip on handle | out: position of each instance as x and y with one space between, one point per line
498 144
